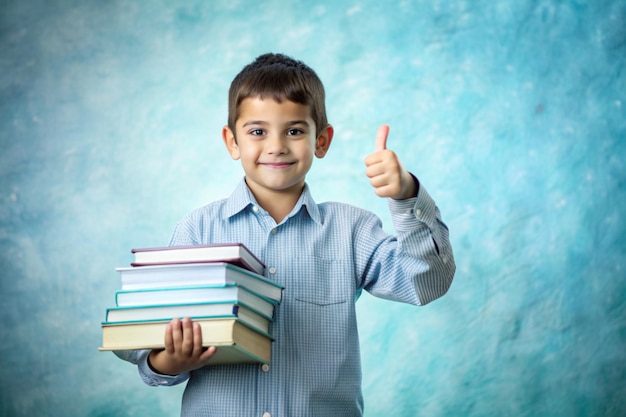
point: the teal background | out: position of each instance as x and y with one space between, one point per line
512 113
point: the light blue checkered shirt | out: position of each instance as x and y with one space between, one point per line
324 255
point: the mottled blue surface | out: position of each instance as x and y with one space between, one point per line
512 113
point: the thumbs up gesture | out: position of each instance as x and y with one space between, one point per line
385 172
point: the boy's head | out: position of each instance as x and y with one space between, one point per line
278 77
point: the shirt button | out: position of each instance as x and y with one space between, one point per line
265 367
255 209
274 231
445 259
266 414
418 212
272 270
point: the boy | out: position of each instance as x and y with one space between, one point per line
324 254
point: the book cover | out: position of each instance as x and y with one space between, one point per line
197 294
194 310
234 253
194 274
235 342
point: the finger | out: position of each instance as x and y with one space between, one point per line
187 346
208 353
381 138
169 338
375 169
176 333
197 339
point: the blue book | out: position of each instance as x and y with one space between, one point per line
246 314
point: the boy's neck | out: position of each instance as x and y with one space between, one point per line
277 204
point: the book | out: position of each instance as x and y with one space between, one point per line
180 275
235 342
195 310
199 294
233 253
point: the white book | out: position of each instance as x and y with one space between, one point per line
194 274
234 253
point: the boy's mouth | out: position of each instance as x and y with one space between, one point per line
277 165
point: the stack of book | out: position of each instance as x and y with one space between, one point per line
221 287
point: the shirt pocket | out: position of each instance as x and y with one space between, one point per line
321 325
321 302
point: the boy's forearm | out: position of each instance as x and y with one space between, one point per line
423 235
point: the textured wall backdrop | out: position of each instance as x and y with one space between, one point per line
511 112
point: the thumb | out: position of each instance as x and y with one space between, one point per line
381 138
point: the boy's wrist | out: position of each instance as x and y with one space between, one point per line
152 376
411 186
416 182
153 358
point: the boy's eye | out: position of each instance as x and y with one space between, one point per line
294 132
256 132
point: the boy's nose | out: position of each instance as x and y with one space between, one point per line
276 144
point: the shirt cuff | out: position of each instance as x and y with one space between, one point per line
407 214
150 377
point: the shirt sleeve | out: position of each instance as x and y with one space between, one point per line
183 235
148 375
417 265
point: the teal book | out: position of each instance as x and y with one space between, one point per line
198 294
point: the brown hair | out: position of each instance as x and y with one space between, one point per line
279 77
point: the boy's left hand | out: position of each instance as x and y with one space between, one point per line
386 174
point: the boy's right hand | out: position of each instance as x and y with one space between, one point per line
183 349
386 173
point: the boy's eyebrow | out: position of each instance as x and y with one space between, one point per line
298 122
261 122
254 122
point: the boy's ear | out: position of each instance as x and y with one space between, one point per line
231 143
323 141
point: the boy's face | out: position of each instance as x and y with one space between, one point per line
276 143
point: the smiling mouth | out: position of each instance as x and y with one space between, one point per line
277 165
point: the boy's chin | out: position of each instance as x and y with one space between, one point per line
279 187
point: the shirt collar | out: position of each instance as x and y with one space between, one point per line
242 197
